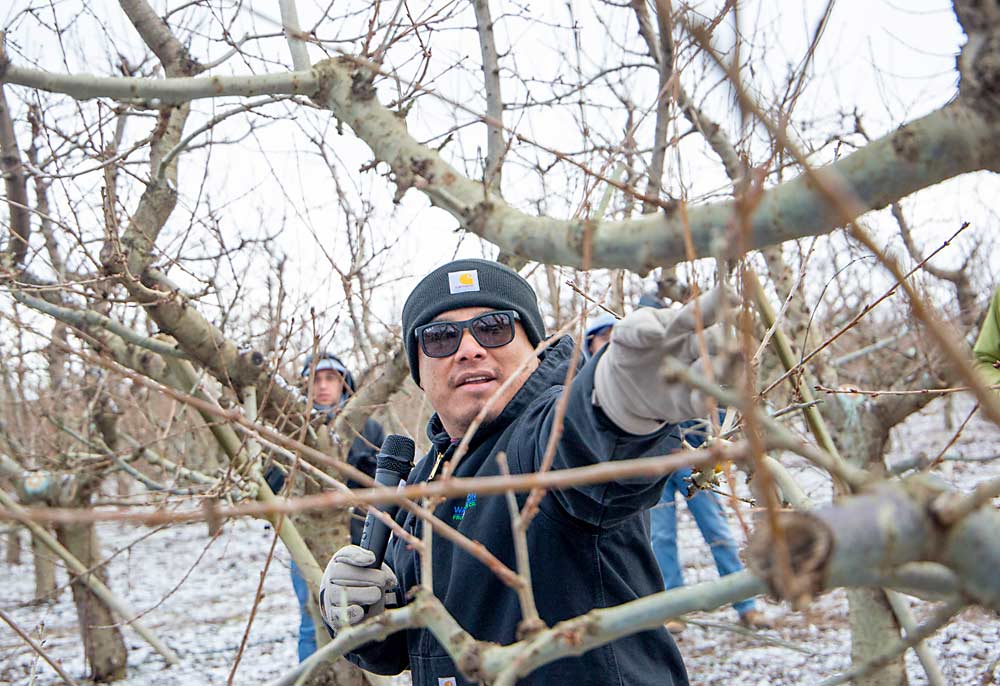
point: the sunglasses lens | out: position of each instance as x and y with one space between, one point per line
494 329
440 340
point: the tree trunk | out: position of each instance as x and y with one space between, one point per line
13 555
863 437
45 571
103 643
873 630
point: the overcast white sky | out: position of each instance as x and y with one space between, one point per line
891 61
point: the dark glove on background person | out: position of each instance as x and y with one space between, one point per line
351 591
628 382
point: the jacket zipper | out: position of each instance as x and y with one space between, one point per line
434 469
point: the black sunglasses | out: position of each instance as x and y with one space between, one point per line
490 329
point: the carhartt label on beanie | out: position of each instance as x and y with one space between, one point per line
469 283
463 282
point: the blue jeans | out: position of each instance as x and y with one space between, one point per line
307 630
707 512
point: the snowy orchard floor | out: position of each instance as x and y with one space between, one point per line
196 593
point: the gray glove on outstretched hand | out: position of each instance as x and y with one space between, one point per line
351 591
628 383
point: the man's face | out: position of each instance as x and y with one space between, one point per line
598 340
327 387
459 385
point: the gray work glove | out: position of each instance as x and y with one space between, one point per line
350 591
628 383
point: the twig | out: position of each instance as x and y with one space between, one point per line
950 509
258 596
868 349
940 456
750 634
646 467
37 648
876 393
582 293
530 622
790 489
161 168
555 432
795 407
155 458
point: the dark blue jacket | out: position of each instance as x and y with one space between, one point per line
589 545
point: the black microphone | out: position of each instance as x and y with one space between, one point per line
395 460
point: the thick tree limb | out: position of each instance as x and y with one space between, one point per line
861 539
293 34
664 57
951 141
174 57
495 146
170 91
16 186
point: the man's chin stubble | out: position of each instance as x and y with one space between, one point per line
466 421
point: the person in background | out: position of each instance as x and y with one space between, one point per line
987 347
332 386
597 334
708 514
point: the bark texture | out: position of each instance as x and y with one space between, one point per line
103 643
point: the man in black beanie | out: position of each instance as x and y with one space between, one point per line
470 330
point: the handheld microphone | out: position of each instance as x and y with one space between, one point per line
395 460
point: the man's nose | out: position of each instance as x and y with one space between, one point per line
469 348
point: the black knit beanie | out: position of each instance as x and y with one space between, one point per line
469 283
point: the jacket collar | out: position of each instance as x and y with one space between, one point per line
551 371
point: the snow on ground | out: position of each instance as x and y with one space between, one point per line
197 594
199 608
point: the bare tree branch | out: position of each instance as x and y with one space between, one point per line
15 184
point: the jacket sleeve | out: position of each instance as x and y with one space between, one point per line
388 657
374 433
589 437
364 451
987 348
